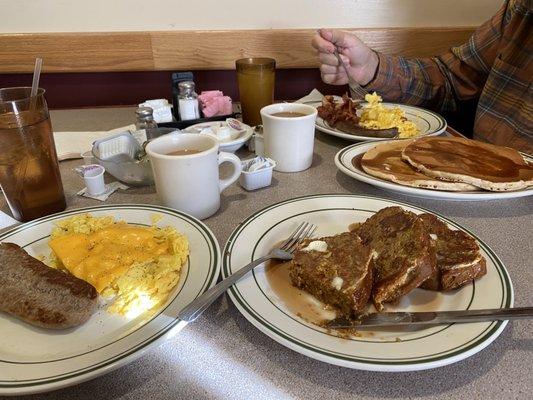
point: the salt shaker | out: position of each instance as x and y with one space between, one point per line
145 126
188 101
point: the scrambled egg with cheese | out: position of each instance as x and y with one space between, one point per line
376 116
136 267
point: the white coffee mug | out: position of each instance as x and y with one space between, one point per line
190 182
289 140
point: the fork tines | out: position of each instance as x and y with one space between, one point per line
304 230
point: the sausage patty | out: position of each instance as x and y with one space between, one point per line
40 295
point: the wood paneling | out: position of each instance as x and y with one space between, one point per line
175 50
73 52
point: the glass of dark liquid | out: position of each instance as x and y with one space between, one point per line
29 171
256 78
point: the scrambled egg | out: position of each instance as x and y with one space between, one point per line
135 266
375 116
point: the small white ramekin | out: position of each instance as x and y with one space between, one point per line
256 179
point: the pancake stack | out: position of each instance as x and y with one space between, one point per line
449 163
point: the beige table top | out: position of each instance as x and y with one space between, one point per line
222 355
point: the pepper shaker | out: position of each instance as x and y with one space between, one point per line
145 126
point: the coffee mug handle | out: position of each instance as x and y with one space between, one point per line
237 168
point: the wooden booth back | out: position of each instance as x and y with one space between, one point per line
115 68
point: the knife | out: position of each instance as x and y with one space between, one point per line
430 318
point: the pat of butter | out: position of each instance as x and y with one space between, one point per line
316 245
433 236
337 282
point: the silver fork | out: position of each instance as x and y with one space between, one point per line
357 93
283 252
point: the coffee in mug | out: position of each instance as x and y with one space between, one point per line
289 135
183 152
289 114
186 172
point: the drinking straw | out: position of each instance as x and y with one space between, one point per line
35 83
23 166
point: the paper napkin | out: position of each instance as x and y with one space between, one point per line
72 144
313 96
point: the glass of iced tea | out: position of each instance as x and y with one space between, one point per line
256 78
29 171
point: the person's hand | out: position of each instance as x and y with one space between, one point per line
360 60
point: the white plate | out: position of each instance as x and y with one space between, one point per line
230 145
429 122
417 350
36 360
343 161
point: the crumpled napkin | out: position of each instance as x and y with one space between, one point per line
313 97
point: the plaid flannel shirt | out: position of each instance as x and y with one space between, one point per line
494 67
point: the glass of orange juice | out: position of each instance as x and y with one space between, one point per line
256 78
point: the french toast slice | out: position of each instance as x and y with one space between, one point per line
404 256
459 260
340 276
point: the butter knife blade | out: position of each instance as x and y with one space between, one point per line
431 318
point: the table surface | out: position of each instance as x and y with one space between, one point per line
221 355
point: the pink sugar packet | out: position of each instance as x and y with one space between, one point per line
209 94
218 105
225 106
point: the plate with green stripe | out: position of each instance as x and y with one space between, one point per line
268 302
348 161
428 122
34 360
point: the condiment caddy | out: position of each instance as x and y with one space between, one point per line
191 109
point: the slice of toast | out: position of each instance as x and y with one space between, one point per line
340 276
404 256
459 260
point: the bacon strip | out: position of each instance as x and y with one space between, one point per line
333 112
